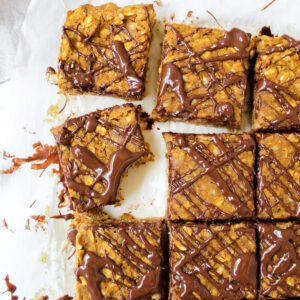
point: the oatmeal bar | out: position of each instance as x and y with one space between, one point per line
104 50
277 84
95 150
212 261
278 188
119 260
203 75
210 176
280 260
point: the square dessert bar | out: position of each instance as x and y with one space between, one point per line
119 260
278 188
212 261
280 260
277 84
104 50
210 176
203 75
94 152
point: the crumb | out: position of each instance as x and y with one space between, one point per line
189 14
10 288
27 225
172 16
51 76
31 132
270 3
6 155
6 226
158 2
32 203
146 121
47 154
41 222
47 210
44 257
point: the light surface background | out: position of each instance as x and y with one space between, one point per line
24 102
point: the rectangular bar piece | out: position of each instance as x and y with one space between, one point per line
104 50
203 75
277 84
279 260
212 261
119 260
94 152
210 176
278 188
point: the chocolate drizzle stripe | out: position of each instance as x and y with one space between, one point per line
172 75
148 281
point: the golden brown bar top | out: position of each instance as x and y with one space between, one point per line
94 152
203 75
277 84
211 176
104 50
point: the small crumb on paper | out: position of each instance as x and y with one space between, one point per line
158 2
40 222
189 14
44 257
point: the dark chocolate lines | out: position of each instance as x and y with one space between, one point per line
213 166
172 75
192 262
123 62
265 183
290 117
283 243
109 174
148 281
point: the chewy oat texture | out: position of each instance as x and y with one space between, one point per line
210 176
203 75
277 87
280 260
278 177
95 151
119 260
212 261
104 50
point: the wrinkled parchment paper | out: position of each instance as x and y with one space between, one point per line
37 261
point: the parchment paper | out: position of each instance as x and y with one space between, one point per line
24 103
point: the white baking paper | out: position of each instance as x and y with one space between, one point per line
35 261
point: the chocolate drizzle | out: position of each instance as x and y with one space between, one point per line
72 233
46 154
107 174
214 167
135 84
192 61
289 118
99 61
198 257
269 184
148 280
282 243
